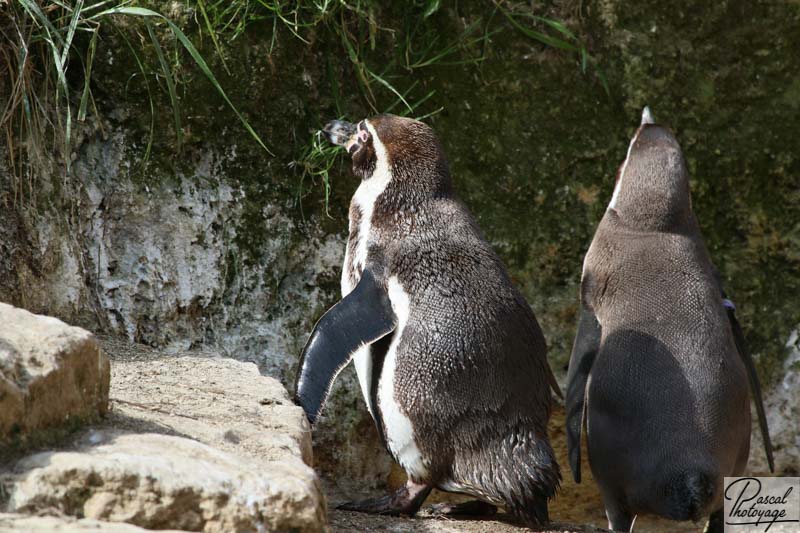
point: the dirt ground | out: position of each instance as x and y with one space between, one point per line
352 522
577 508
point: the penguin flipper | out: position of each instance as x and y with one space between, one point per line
750 367
752 376
587 343
360 318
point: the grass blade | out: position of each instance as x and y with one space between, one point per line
173 96
207 71
406 93
73 23
87 76
61 85
198 59
151 133
37 14
201 5
428 115
391 88
431 8
539 36
558 26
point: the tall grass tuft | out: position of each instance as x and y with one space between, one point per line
45 41
39 48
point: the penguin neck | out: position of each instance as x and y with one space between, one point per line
410 189
652 201
653 212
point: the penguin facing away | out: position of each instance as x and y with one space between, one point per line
450 358
659 373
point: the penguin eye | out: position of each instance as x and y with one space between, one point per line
363 133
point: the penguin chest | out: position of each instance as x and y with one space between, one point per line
398 427
362 207
351 273
355 259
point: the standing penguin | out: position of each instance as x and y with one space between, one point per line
449 356
658 374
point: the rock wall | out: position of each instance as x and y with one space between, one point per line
220 244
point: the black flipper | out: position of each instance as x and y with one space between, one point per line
752 375
360 318
587 343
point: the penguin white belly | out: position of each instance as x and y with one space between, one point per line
398 427
362 360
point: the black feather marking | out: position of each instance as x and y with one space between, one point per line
755 385
362 317
587 343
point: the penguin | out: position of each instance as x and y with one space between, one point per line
659 374
450 358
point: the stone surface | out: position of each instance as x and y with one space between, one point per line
161 481
216 400
51 375
19 523
169 269
193 441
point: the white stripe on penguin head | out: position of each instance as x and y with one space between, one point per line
613 203
647 118
367 193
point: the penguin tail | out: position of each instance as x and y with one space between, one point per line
689 494
534 512
519 472
531 479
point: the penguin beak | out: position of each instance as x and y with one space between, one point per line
342 133
647 116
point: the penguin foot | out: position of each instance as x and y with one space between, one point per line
404 501
472 508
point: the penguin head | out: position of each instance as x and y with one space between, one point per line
652 187
400 149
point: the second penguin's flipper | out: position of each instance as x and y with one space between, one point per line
587 342
360 318
750 367
752 376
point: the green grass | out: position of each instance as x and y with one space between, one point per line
315 161
40 47
421 48
43 41
554 34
